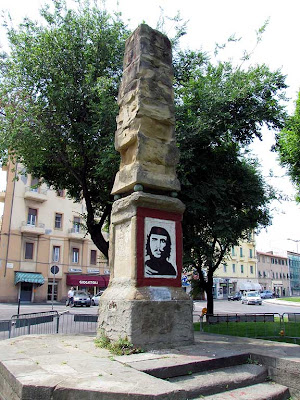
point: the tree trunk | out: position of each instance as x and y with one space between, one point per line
209 294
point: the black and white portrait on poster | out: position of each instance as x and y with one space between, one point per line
160 248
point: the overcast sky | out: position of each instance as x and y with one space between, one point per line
213 22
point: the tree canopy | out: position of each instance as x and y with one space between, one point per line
58 90
220 109
288 146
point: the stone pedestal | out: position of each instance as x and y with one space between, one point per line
151 311
145 135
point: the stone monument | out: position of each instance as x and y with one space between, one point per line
144 300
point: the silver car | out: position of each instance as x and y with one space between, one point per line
95 299
251 298
81 298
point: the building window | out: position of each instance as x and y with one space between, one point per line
224 268
32 214
58 221
250 253
34 186
28 251
93 257
242 269
56 254
76 225
251 269
259 274
241 252
233 268
265 275
75 255
273 275
232 251
276 275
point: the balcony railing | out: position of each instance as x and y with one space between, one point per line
37 229
38 194
77 233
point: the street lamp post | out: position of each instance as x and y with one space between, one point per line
296 241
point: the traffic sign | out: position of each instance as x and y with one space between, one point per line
54 269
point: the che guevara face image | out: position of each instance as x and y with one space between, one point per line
158 250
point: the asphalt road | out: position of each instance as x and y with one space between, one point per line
7 310
229 307
220 307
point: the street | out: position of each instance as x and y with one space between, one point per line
230 307
220 307
7 310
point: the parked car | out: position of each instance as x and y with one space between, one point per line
251 298
266 294
235 296
81 298
95 299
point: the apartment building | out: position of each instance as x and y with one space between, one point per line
44 248
294 268
238 272
273 273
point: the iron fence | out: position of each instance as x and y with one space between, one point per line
274 326
268 326
49 322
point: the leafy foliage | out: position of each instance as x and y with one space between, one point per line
220 110
58 90
288 146
119 347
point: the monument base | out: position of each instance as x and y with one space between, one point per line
159 317
150 311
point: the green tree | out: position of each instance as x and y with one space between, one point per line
288 146
58 90
220 109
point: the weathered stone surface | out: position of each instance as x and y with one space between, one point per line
149 324
123 252
145 134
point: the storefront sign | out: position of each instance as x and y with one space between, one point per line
75 269
87 280
93 271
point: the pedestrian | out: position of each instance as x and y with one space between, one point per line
70 300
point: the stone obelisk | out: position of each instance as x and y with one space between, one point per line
144 300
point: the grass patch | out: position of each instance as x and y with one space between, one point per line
287 332
293 299
119 347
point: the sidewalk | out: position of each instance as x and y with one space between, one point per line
65 367
283 302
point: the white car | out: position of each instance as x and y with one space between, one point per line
95 299
251 298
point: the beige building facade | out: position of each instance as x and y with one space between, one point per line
44 248
273 273
239 271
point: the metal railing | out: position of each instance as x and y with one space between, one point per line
267 326
49 322
274 326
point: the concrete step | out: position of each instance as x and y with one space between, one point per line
220 380
261 391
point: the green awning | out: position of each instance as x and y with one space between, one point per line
29 277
